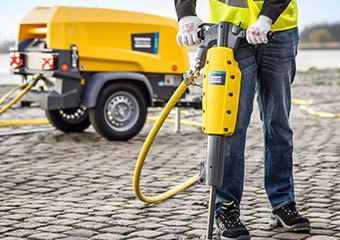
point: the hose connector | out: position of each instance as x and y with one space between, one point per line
192 74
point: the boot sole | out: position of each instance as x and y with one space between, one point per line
243 237
299 227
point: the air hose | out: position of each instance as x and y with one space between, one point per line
20 122
7 95
27 86
147 144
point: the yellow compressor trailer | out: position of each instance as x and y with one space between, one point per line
98 66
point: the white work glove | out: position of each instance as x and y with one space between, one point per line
257 33
187 31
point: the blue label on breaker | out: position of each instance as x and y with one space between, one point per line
217 78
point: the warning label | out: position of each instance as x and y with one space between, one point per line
217 78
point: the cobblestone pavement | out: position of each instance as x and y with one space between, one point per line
79 186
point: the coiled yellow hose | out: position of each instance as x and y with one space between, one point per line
145 149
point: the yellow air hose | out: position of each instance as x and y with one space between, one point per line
305 106
4 97
145 149
17 98
19 122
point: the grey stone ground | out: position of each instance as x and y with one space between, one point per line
79 186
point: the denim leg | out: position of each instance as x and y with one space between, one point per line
276 71
232 187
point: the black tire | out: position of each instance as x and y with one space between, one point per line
120 112
69 120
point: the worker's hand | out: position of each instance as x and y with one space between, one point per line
257 33
187 31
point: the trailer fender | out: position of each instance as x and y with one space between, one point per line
96 82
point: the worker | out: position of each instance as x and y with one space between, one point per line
267 63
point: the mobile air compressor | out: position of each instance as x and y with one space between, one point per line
220 97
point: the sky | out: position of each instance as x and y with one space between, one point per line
311 12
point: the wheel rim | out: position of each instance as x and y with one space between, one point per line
73 115
121 111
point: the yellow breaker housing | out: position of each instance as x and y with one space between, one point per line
221 89
98 66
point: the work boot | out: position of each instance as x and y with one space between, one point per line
288 217
229 224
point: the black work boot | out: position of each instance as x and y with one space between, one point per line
229 224
288 217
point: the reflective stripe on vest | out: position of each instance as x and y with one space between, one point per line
236 3
245 13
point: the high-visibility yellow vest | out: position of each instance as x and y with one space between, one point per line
246 12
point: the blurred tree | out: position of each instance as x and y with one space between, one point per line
320 35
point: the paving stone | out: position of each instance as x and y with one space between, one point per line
118 230
171 237
78 210
17 217
74 238
29 225
41 190
12 238
80 233
290 236
21 232
41 219
174 223
5 222
91 225
46 213
108 236
261 233
73 216
23 210
322 237
123 222
196 233
54 229
148 225
98 219
181 217
5 229
127 216
138 238
149 234
45 236
322 231
174 230
66 222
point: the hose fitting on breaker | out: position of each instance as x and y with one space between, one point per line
193 73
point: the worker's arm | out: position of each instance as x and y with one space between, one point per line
188 22
185 8
274 8
270 12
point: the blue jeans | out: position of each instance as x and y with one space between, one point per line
267 69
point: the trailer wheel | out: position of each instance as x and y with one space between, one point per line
69 120
120 112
